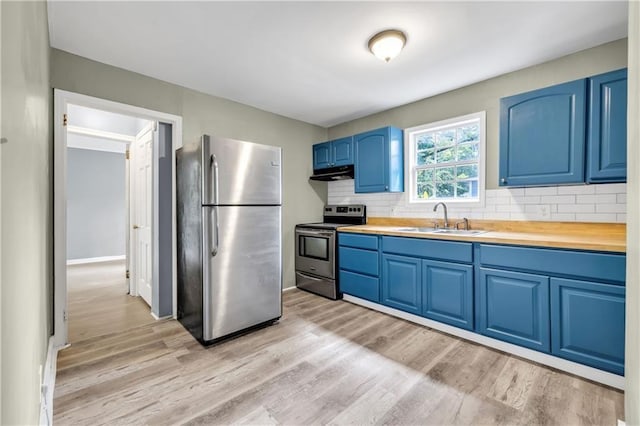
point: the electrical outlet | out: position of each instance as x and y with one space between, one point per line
544 210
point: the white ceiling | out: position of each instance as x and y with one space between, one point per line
309 60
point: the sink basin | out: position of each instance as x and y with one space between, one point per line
458 231
410 229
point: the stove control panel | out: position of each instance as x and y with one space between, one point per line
349 210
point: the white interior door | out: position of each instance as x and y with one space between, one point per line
141 202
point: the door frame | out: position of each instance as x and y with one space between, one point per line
62 99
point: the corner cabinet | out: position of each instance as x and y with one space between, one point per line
607 132
379 160
542 136
334 153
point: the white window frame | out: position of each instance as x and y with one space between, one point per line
411 170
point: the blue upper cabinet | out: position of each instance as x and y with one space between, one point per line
607 132
542 136
334 153
321 155
379 160
342 151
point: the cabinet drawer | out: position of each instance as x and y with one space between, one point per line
358 240
434 249
358 260
598 266
587 323
359 285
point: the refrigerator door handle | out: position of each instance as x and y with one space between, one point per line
214 163
214 249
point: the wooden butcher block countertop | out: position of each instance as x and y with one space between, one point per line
569 235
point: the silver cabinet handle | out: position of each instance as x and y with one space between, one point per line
503 180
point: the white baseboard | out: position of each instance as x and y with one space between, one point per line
621 422
48 384
157 318
95 260
590 373
289 288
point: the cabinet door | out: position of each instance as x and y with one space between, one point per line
371 161
542 136
401 283
447 290
321 155
588 323
342 151
514 307
607 133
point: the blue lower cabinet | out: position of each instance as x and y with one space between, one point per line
401 283
588 323
514 307
447 293
359 285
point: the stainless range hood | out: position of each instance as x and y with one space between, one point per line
333 173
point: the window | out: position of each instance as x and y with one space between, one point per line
446 160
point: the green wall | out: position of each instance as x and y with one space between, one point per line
485 96
201 113
26 208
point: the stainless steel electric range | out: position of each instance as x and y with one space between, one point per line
317 249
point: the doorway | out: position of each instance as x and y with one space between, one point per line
114 223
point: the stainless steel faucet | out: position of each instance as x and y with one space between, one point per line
446 218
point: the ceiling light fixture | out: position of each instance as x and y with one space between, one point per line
387 44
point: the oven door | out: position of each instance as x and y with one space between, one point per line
315 252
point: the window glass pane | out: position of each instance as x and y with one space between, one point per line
468 133
425 190
444 190
425 141
467 171
424 176
426 157
468 152
445 174
446 155
445 137
467 189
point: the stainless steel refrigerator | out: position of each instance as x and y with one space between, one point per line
229 237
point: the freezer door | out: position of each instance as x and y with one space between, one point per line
243 268
240 173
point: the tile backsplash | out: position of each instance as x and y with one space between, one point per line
580 203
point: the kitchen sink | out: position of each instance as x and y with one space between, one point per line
458 231
449 231
409 229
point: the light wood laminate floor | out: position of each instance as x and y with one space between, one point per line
98 302
325 362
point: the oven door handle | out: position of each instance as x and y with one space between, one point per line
320 233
